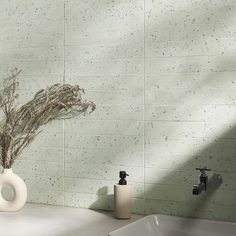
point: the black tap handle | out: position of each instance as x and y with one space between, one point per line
123 174
203 169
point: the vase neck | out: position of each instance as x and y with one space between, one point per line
7 170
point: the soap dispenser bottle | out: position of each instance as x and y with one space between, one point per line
122 198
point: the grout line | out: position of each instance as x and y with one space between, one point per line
64 41
63 123
30 61
131 181
144 102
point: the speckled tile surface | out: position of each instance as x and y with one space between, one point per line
163 76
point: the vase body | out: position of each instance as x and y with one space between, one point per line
19 189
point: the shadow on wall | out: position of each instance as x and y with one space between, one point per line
172 193
103 198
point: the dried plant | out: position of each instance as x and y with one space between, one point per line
21 125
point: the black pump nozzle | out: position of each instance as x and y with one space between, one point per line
122 180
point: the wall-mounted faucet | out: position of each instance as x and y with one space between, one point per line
203 181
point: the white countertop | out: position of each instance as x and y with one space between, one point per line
49 220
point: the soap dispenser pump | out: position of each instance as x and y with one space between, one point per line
122 197
122 180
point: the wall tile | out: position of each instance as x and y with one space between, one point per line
39 167
189 112
99 187
191 64
103 127
43 182
109 155
98 202
117 112
105 83
88 201
102 171
44 154
190 208
112 67
46 197
103 14
73 140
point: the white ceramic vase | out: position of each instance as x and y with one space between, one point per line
19 188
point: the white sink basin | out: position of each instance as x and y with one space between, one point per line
160 225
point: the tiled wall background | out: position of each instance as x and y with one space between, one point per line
163 76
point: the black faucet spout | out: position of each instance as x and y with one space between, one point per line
203 181
197 189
